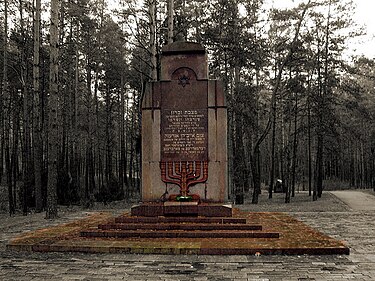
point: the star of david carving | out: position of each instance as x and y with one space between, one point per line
183 80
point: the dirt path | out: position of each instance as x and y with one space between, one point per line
356 199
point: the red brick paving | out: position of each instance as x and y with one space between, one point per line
295 238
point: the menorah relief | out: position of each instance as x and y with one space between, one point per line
184 174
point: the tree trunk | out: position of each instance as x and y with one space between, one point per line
89 170
37 141
53 139
122 165
295 143
14 159
26 145
309 139
238 147
9 173
108 138
319 168
286 149
170 21
321 112
152 43
2 139
4 94
74 118
7 111
255 159
273 144
373 170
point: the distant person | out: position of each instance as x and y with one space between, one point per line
279 186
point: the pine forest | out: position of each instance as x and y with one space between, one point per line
301 106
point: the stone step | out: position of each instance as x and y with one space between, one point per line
179 226
171 208
127 219
95 233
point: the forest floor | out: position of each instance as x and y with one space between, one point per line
330 215
300 202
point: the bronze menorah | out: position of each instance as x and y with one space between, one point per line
184 174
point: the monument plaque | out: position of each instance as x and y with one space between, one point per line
184 137
184 127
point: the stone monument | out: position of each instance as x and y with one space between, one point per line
184 132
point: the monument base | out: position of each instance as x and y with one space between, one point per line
170 208
245 233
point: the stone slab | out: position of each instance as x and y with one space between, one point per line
171 208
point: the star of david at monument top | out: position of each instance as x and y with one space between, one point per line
184 132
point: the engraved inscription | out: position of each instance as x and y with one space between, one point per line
184 134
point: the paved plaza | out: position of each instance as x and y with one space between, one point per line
347 216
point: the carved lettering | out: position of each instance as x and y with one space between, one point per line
184 134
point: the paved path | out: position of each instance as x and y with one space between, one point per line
356 227
356 200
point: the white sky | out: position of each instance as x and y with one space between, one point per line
363 16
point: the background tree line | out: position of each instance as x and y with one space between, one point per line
73 74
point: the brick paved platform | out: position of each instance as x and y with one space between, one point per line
328 215
280 234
